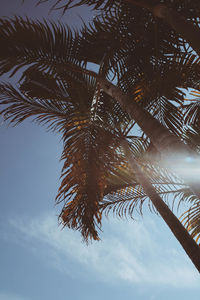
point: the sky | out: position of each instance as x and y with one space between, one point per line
138 259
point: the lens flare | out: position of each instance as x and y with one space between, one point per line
185 167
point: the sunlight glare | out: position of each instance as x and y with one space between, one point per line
187 167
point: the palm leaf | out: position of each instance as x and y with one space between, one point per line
125 40
192 110
124 195
161 77
67 4
189 8
41 46
191 219
17 106
191 136
89 155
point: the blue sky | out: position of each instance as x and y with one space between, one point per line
138 260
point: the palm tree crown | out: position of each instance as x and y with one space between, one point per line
58 92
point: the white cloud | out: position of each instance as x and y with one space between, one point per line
130 252
7 296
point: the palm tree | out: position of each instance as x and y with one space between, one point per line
66 103
180 15
191 248
166 142
188 30
56 94
162 138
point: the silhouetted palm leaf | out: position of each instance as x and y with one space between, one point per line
19 106
89 155
192 110
41 46
124 194
190 8
191 219
125 41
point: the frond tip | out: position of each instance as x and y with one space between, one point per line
191 220
77 217
87 156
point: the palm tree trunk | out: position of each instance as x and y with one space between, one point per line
179 231
168 144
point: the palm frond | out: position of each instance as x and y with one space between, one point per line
189 8
76 87
161 77
19 106
192 110
159 88
191 219
68 4
168 115
39 46
114 34
89 155
124 195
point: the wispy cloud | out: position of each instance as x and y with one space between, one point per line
130 252
8 296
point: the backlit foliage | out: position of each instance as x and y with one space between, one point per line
145 58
